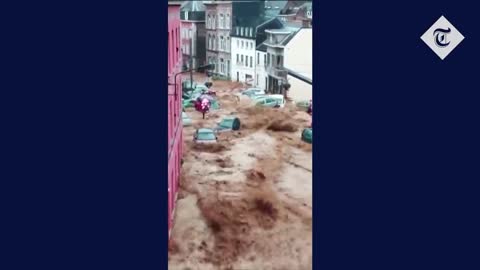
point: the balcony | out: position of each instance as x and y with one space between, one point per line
278 72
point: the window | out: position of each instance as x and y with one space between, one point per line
258 61
242 44
222 44
246 60
257 80
168 40
279 60
209 21
228 44
228 68
251 61
238 43
237 58
189 33
228 20
273 60
251 31
268 59
237 30
241 31
221 22
241 58
179 53
264 59
214 22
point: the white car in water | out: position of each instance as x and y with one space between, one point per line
273 101
205 135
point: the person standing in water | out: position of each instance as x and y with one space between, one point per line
205 107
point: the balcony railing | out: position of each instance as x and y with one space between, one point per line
279 72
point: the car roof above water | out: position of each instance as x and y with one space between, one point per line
205 130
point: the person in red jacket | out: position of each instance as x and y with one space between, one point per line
205 107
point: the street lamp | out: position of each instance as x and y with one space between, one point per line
201 68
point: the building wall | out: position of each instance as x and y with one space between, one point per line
273 70
243 59
261 76
174 109
298 57
193 38
218 22
298 53
299 90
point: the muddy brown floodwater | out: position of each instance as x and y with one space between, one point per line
246 203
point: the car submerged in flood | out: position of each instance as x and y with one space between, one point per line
272 101
228 123
307 135
186 120
205 136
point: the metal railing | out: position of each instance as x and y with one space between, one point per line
276 71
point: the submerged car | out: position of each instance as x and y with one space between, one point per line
188 103
188 85
273 101
204 135
186 120
228 123
307 135
303 105
253 92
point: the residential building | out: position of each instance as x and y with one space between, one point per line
243 53
275 45
248 31
298 64
218 23
174 107
260 74
273 8
298 13
193 33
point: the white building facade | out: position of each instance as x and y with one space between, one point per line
298 58
261 76
243 55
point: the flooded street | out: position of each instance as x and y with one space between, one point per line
245 202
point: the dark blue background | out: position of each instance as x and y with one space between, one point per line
84 137
396 153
